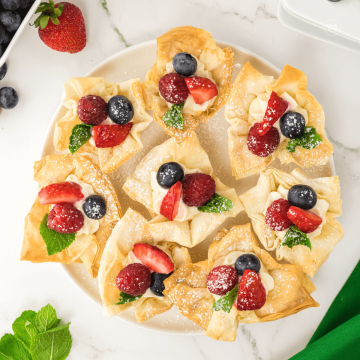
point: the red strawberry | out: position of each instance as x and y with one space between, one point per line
173 89
201 89
252 294
134 279
276 215
154 258
92 109
170 204
65 218
305 220
262 145
66 191
275 108
222 279
62 26
198 189
107 136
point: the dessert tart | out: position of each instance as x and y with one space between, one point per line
134 267
295 216
274 118
189 82
177 185
103 118
238 283
73 215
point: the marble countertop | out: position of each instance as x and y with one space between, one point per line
37 73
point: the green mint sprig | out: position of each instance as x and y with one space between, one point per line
126 298
217 204
226 302
293 237
174 118
310 139
80 134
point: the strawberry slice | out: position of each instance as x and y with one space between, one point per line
154 258
201 89
170 204
305 220
108 136
275 108
62 192
252 294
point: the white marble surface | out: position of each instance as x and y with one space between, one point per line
38 73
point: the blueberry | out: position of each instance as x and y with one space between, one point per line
169 174
8 37
10 19
157 283
8 97
11 4
2 34
292 124
3 71
302 196
26 3
94 207
120 109
247 261
184 64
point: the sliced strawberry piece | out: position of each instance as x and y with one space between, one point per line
201 89
170 204
275 109
154 258
108 136
66 191
305 220
252 294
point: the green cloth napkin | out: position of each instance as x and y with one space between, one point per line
338 335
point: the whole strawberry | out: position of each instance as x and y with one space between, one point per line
66 30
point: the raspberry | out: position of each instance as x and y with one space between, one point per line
92 109
65 218
134 279
276 215
262 145
173 88
221 279
198 189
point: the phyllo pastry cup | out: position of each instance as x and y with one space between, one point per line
187 287
323 239
193 157
131 230
251 85
110 158
86 249
200 44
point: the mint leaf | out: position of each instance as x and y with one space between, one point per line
19 328
173 117
55 241
79 136
310 139
293 237
13 349
226 302
126 298
217 204
45 319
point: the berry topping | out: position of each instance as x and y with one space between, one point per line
247 261
201 89
198 189
11 4
173 89
157 283
11 20
221 279
94 207
154 258
65 218
292 124
171 201
92 109
8 98
252 294
276 215
134 279
184 64
66 191
262 145
302 196
306 221
120 109
275 108
107 136
169 174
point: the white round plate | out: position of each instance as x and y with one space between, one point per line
135 62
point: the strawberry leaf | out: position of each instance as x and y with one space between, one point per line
293 237
126 298
44 21
226 302
55 21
